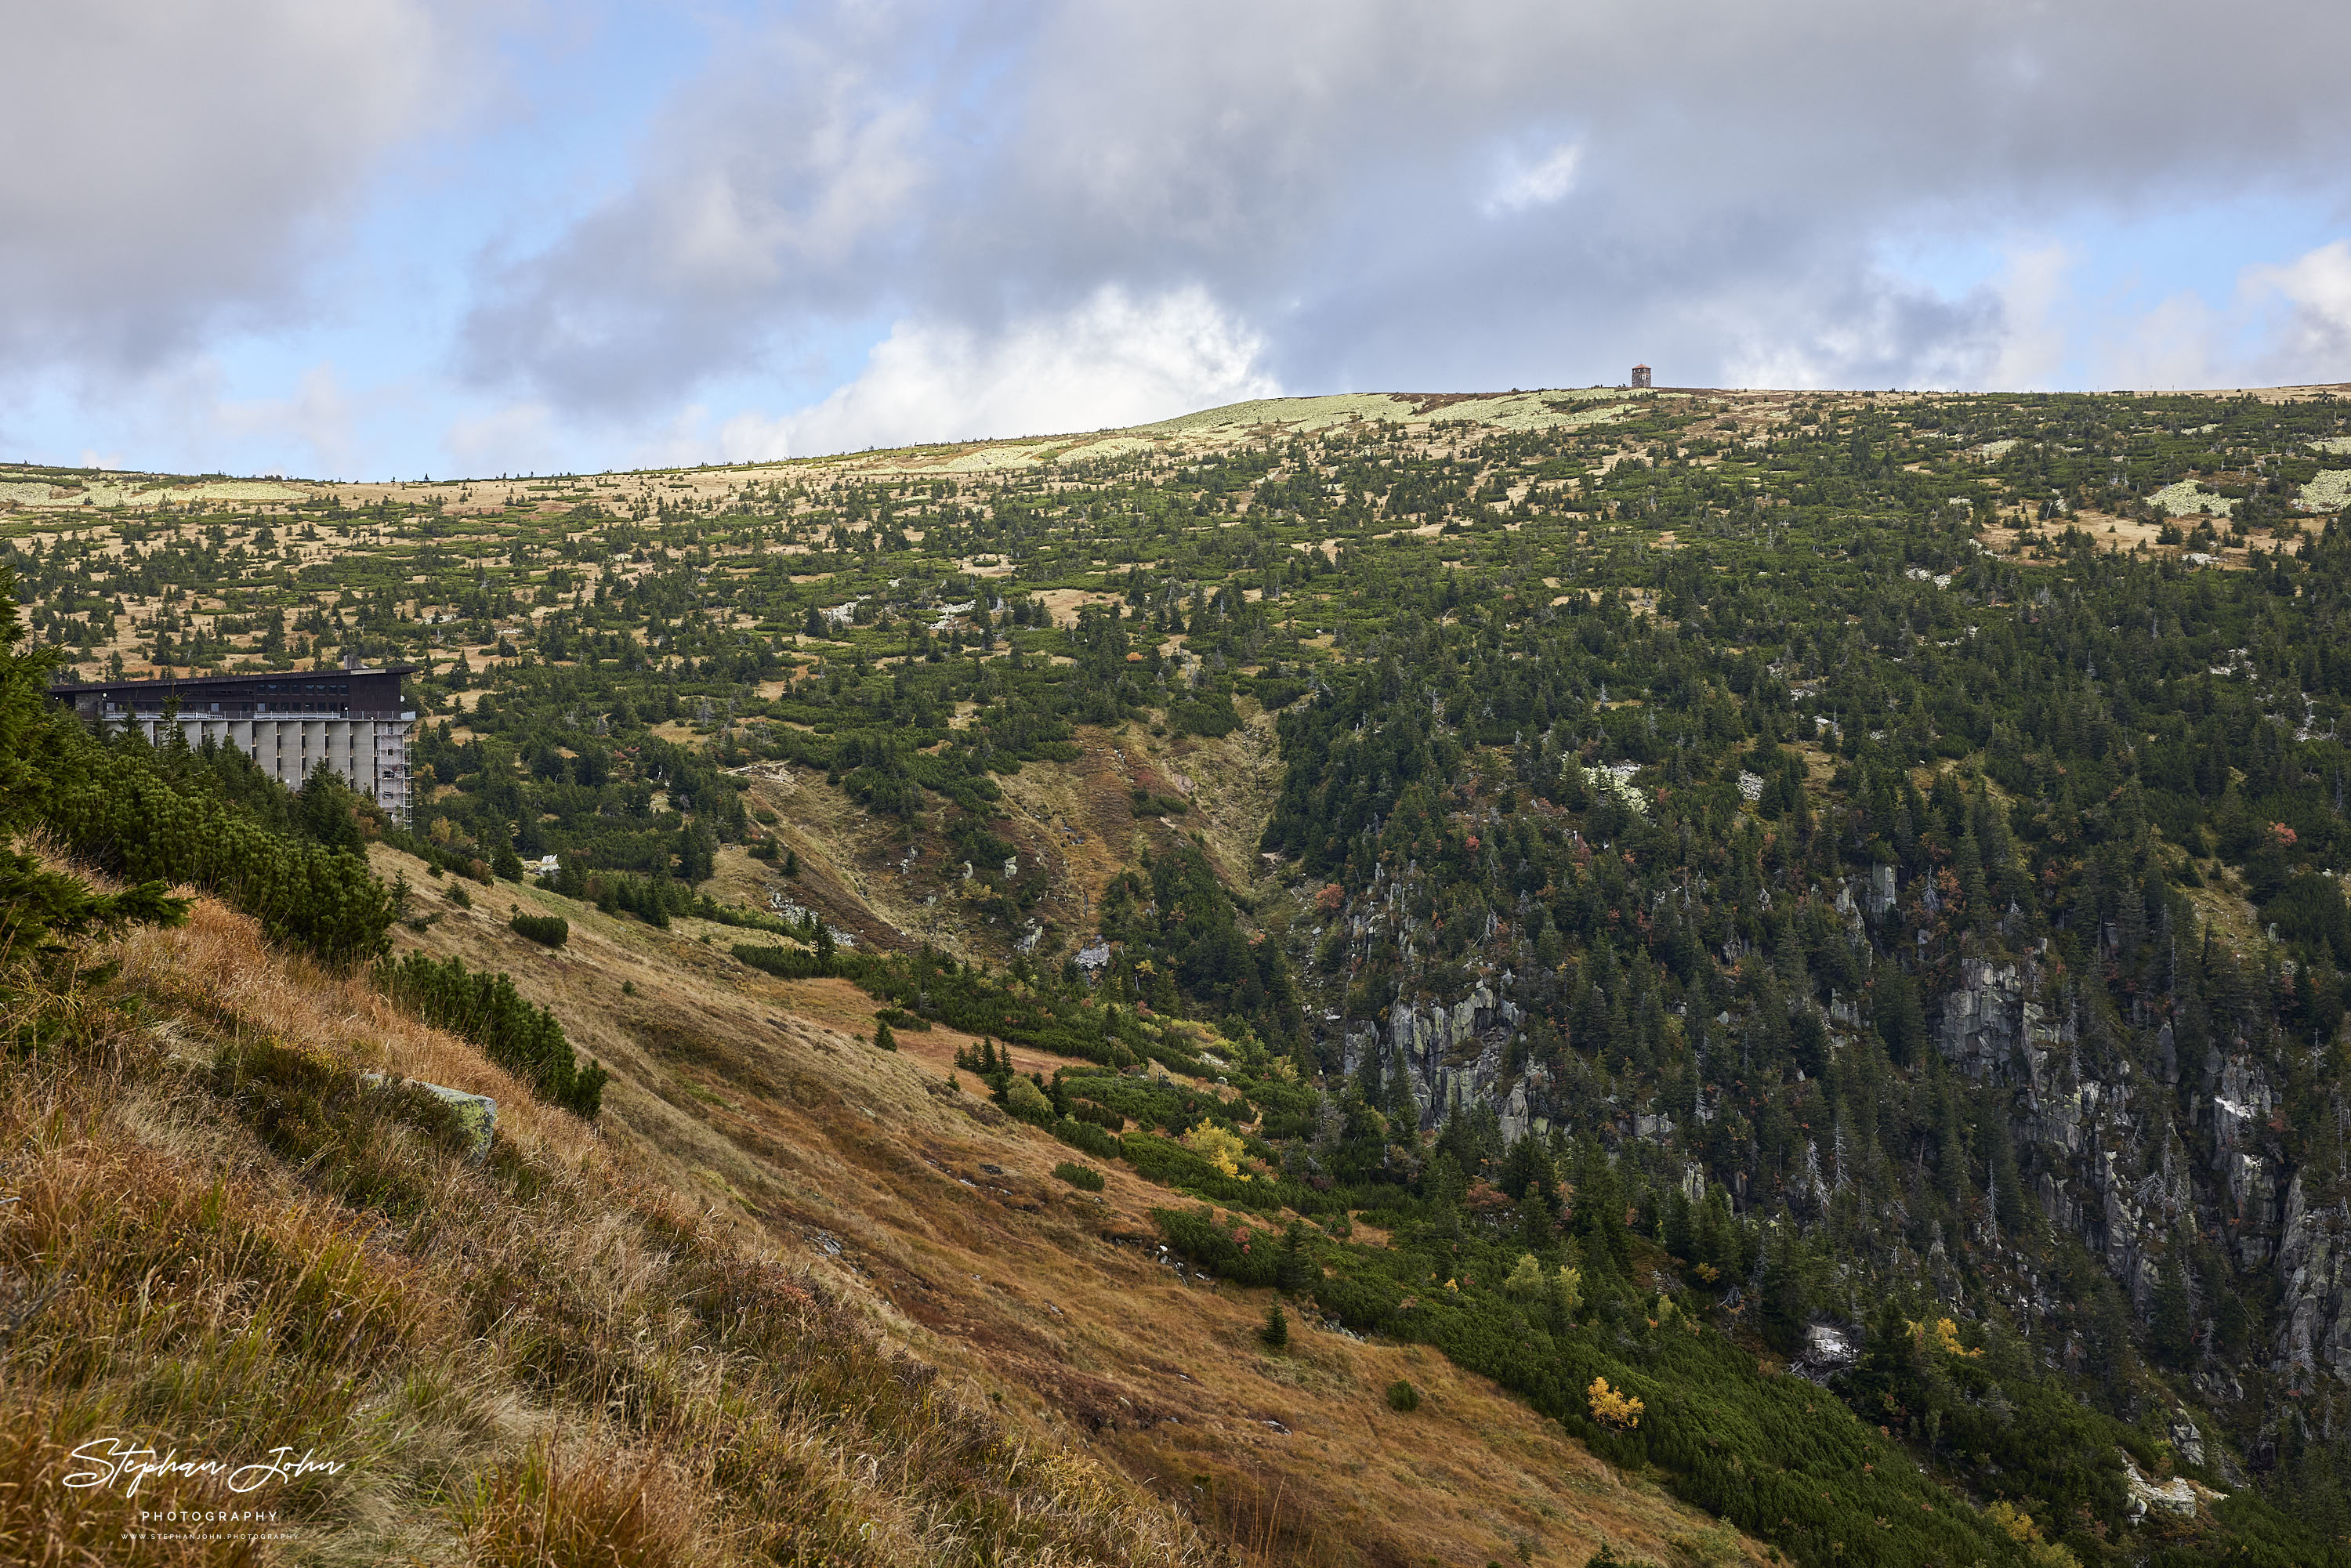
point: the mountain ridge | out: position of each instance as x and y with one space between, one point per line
1821 914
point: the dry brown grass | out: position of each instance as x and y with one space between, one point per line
1013 1283
552 1357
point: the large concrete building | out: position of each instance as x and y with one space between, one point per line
352 719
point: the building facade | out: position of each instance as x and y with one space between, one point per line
353 719
1640 375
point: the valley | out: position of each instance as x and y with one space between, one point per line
1823 915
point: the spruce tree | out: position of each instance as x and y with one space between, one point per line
1276 1333
1293 1266
2171 1329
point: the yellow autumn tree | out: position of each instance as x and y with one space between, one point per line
1941 1336
1218 1147
1613 1409
2039 1550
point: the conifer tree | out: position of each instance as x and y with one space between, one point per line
1276 1331
39 907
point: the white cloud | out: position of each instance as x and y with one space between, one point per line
514 438
168 163
1296 162
2284 324
187 417
2312 341
1114 360
2181 342
1537 184
319 419
1248 194
1874 330
783 183
2032 348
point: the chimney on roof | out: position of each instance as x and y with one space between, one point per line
351 661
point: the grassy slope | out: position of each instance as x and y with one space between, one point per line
556 1356
1074 819
756 1092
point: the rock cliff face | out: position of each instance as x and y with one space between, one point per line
2147 1151
1454 1056
2317 1309
2139 1154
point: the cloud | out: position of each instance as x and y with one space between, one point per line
171 165
783 182
1538 184
198 414
1112 361
2032 347
320 419
1311 167
2312 342
1874 330
2283 324
514 438
2181 341
1366 193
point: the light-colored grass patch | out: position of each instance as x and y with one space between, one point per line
1300 413
2188 497
988 459
2329 491
1109 446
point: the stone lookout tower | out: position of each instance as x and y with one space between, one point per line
1640 375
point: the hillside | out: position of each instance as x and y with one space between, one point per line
1822 913
943 1218
221 1240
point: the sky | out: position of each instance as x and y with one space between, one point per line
393 238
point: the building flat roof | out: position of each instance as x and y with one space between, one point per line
336 674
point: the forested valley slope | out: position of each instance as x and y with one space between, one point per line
1712 975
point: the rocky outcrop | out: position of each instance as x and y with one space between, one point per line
2175 1496
1453 1055
2131 1159
2129 1133
2314 1264
476 1114
1997 1022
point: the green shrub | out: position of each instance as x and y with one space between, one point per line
1244 1256
1403 1396
1084 1178
1026 1101
1210 713
111 803
547 930
1087 1136
794 963
487 1009
1606 1558
365 1144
